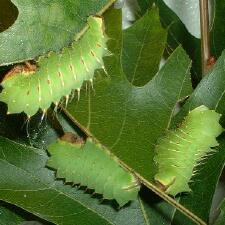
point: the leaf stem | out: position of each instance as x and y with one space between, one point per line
205 44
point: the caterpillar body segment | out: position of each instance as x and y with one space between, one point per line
90 166
180 150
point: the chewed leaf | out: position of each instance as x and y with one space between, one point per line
91 166
58 74
180 150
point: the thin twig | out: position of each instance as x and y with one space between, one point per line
205 44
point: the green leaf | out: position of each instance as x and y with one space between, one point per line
37 28
157 212
8 216
144 5
126 119
8 14
12 215
144 44
188 12
221 218
178 34
33 187
218 31
210 91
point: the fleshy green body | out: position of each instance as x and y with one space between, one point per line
178 153
58 74
91 166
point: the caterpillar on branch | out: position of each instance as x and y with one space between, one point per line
28 89
181 150
90 165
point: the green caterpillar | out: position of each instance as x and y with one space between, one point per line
89 165
58 74
180 150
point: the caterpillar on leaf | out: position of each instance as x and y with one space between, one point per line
89 165
57 74
181 150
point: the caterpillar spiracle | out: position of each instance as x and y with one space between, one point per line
57 74
181 150
89 165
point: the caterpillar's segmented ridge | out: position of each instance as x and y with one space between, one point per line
57 74
180 150
90 166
